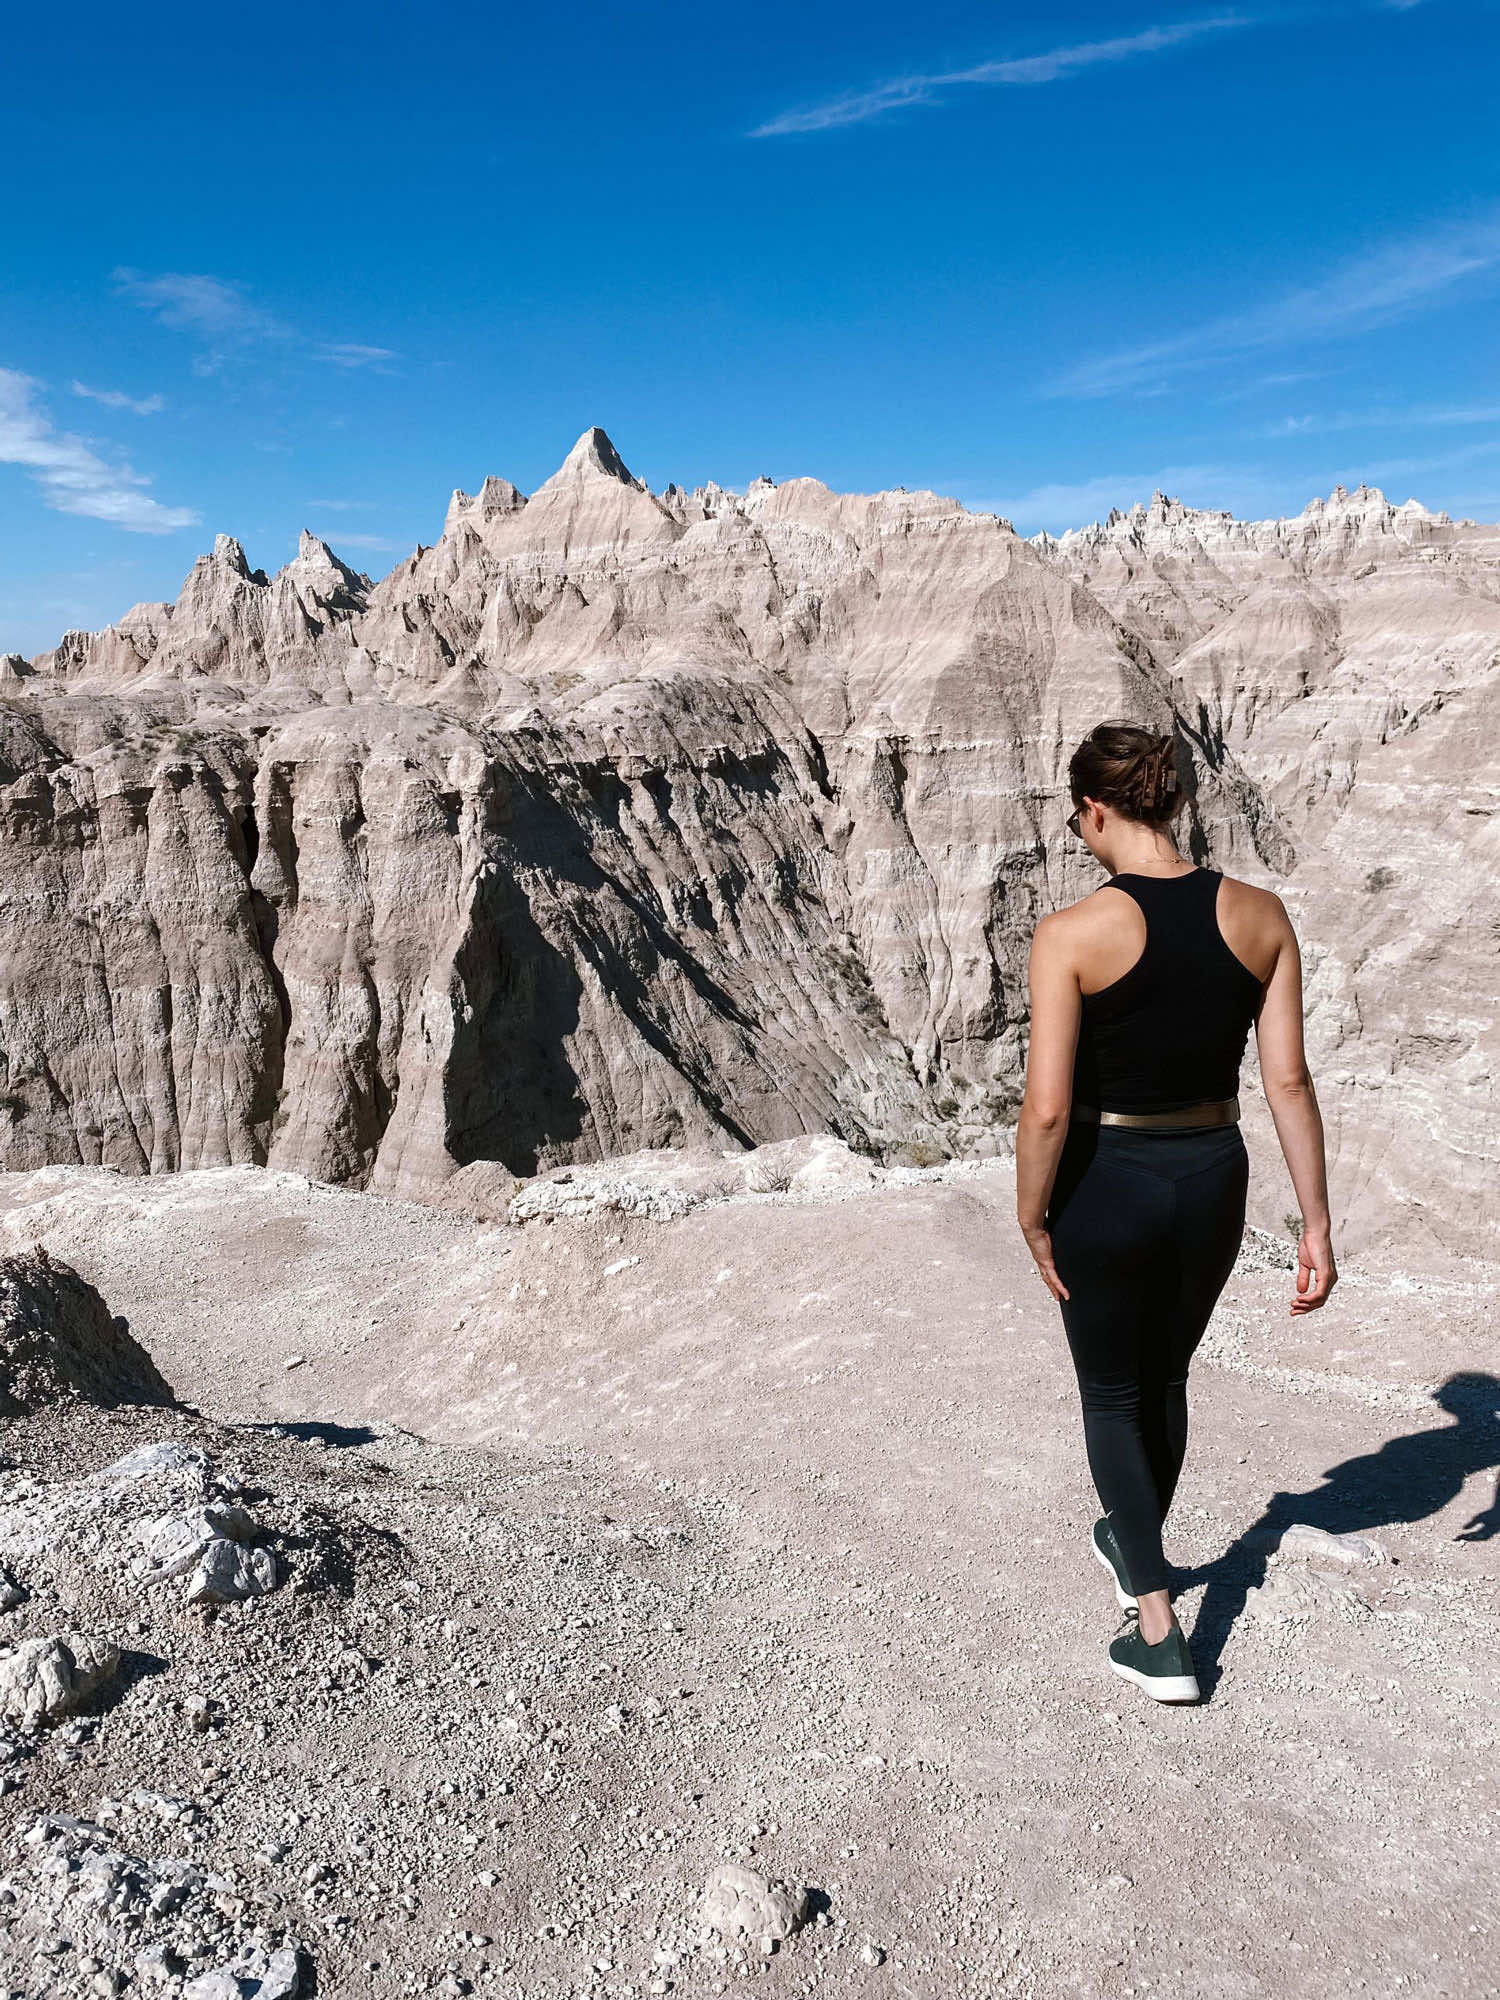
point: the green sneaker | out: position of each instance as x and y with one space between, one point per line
1107 1550
1164 1670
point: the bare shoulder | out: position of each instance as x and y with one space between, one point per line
1253 905
1050 935
1059 934
1255 923
1068 936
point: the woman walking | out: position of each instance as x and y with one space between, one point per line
1131 1171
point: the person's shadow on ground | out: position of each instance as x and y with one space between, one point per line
1409 1478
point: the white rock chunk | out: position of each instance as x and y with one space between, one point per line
738 1903
43 1680
1317 1545
226 1573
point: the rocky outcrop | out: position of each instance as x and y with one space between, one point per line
616 821
1350 659
59 1342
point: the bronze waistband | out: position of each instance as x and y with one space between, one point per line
1208 1111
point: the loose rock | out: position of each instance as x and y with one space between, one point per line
43 1680
738 1903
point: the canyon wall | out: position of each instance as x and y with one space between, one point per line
617 819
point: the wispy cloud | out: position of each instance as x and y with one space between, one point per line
116 399
214 307
218 312
73 477
1361 420
1258 385
221 314
855 107
352 354
361 541
1384 284
1483 505
1443 461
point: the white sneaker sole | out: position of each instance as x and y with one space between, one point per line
1161 1687
1122 1597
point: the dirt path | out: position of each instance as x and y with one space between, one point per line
871 1400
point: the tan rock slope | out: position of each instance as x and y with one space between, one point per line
618 820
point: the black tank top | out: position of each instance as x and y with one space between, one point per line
1172 1029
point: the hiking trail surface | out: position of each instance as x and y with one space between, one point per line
543 1567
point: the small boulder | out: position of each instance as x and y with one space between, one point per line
223 1983
286 1977
215 1545
227 1573
738 1903
1316 1545
43 1680
483 1190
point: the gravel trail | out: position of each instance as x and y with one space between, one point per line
760 1535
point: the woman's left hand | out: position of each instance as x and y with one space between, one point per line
1039 1243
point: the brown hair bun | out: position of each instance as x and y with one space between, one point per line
1130 768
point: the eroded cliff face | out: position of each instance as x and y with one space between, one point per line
1350 659
618 819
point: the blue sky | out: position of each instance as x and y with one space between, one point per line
281 267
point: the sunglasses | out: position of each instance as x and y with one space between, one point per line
1071 823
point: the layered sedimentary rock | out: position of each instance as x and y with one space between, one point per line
1350 659
617 820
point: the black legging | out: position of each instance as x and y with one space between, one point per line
1145 1226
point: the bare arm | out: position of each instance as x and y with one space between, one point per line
1055 1014
1299 1124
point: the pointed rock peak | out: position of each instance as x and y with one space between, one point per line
228 552
595 453
311 549
496 496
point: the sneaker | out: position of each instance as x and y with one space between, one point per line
1164 1670
1107 1550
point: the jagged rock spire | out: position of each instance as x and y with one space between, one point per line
595 453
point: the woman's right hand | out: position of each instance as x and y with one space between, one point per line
1316 1274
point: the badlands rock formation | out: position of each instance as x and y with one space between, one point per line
618 820
1350 659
